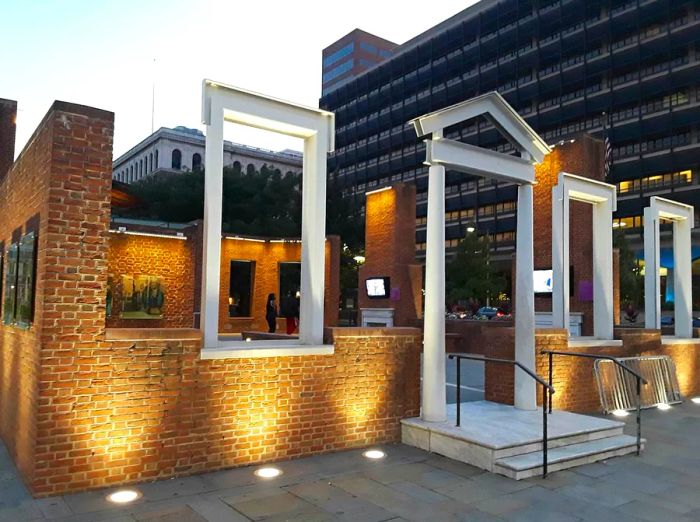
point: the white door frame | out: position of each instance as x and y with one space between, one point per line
223 103
683 218
603 198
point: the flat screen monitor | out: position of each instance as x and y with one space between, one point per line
377 287
543 281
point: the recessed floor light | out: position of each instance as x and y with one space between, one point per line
268 473
124 496
663 406
374 454
695 400
620 413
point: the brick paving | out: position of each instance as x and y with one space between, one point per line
663 484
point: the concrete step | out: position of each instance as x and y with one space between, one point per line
563 457
557 441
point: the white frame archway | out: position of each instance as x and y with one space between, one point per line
223 103
683 218
442 153
603 198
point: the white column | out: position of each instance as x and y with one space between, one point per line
603 316
211 270
525 390
560 258
683 279
313 258
433 398
652 296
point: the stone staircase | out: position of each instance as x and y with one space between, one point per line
507 441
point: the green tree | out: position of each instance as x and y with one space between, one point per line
469 274
263 203
631 278
343 218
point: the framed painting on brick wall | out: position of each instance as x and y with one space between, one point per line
143 297
10 284
26 272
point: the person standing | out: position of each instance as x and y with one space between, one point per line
271 313
289 312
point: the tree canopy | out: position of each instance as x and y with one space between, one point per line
470 274
631 278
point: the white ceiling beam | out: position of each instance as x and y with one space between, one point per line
462 157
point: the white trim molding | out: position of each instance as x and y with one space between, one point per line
223 103
603 198
682 217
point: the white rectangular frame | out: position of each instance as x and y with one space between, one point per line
223 103
603 198
683 218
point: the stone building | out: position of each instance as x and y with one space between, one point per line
182 149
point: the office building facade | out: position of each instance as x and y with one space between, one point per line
628 70
352 55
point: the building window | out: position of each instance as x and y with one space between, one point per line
237 165
196 161
131 173
140 174
290 279
340 53
156 158
337 71
176 162
150 162
241 288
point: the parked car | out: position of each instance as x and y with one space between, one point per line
489 312
666 320
696 322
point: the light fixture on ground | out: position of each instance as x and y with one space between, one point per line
663 406
123 496
620 413
374 454
268 473
696 400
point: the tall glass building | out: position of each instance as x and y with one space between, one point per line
626 69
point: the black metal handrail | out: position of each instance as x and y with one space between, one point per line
547 391
619 363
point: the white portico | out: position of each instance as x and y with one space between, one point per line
442 153
682 217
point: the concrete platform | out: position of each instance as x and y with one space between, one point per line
505 440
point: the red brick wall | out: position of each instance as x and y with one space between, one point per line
58 187
171 259
267 257
573 378
584 157
390 220
157 410
8 127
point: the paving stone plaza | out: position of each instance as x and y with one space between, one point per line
408 484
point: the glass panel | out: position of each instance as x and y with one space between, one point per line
25 280
240 293
11 284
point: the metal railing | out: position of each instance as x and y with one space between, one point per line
639 378
547 391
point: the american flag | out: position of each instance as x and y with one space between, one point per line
608 156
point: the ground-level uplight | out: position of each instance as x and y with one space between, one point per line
268 473
663 406
620 413
374 454
696 400
123 496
